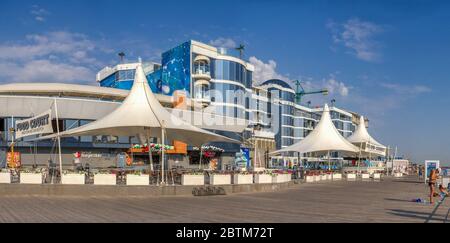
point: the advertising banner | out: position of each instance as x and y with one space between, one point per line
13 163
430 165
39 124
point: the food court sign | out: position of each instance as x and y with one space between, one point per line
39 124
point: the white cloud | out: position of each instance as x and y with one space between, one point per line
336 87
45 71
51 57
223 42
39 13
358 36
406 89
265 71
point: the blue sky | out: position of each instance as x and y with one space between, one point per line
387 60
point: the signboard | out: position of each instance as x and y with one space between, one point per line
13 163
242 159
430 165
39 124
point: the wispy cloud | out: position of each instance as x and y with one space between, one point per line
39 14
223 42
52 57
358 37
406 89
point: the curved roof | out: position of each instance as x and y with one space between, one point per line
280 82
324 137
362 136
76 90
63 89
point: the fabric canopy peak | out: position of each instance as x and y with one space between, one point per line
324 138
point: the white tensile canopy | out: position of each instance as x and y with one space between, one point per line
142 115
324 138
362 139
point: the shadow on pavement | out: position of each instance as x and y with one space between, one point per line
417 215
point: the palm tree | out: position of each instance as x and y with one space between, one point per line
241 49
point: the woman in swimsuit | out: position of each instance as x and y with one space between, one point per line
432 184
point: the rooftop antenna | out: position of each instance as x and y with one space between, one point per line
241 49
333 101
121 55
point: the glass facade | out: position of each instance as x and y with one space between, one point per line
233 71
295 123
228 88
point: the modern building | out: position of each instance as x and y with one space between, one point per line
214 85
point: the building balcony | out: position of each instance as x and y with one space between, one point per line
202 82
201 75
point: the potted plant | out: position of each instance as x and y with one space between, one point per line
193 179
73 178
336 176
243 178
365 176
219 178
376 176
263 177
5 176
31 176
309 177
138 179
351 176
105 178
281 177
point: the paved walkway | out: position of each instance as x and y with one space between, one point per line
386 201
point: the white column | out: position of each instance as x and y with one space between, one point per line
59 138
163 180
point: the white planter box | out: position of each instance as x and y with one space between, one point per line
288 177
192 180
351 176
73 179
376 176
329 176
398 174
309 178
317 178
263 178
337 176
281 178
220 180
30 178
365 176
323 177
138 180
5 177
242 179
105 179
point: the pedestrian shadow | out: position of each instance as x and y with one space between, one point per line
417 215
410 182
398 200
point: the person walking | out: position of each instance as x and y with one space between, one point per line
432 184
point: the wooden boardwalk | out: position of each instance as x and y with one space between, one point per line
385 201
